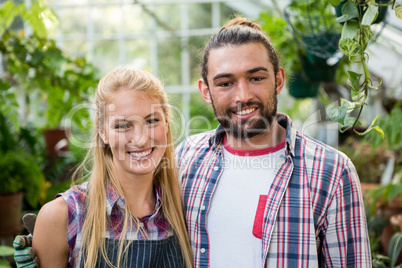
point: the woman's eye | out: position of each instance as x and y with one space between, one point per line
121 126
152 121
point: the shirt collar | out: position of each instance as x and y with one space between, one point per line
217 138
114 199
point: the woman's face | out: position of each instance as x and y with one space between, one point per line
135 127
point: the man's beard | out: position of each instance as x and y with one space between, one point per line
251 127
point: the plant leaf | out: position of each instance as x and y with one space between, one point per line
379 130
349 47
351 120
366 36
337 113
350 29
6 251
335 2
395 247
349 11
370 15
398 11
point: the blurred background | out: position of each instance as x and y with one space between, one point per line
53 53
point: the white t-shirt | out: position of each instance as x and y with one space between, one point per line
234 220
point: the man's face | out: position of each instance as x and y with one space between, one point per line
242 89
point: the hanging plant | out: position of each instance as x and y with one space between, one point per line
357 17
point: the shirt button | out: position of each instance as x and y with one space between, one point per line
203 250
141 224
202 207
216 168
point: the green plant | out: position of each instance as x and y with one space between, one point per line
20 167
357 17
35 66
393 145
19 172
5 251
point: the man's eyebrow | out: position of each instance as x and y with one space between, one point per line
254 70
216 77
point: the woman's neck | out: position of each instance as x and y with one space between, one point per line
139 193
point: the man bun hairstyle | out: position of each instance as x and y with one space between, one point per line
238 31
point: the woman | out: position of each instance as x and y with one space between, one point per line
129 212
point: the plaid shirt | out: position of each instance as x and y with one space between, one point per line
314 214
155 226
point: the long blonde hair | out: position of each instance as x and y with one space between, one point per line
102 172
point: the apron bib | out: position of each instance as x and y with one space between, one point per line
163 253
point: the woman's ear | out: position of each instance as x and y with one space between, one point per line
103 137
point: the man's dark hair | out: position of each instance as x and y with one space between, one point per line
238 31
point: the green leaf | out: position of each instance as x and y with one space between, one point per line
351 120
354 83
370 15
380 131
6 251
349 47
395 247
365 36
398 11
4 85
335 2
350 9
351 105
350 30
8 12
337 113
4 264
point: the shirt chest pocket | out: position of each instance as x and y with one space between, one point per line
259 217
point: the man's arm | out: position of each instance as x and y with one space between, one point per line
346 240
50 237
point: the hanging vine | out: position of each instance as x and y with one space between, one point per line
357 17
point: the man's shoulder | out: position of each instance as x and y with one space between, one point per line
313 147
197 141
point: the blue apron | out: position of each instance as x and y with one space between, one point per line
163 253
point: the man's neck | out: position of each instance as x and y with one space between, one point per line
269 138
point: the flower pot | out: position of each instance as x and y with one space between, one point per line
317 70
300 87
382 10
56 141
10 211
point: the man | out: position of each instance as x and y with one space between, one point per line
258 193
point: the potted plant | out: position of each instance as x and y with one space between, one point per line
35 66
21 177
299 85
313 26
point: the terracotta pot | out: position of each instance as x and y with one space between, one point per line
56 140
10 211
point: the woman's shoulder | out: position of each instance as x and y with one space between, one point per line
76 193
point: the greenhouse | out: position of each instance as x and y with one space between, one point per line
134 112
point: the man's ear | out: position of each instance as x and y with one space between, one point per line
204 90
280 80
103 137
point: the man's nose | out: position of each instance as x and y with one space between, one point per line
243 92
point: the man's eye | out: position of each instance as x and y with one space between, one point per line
257 79
224 84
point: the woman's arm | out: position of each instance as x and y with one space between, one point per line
50 236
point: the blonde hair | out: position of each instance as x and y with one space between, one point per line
102 172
